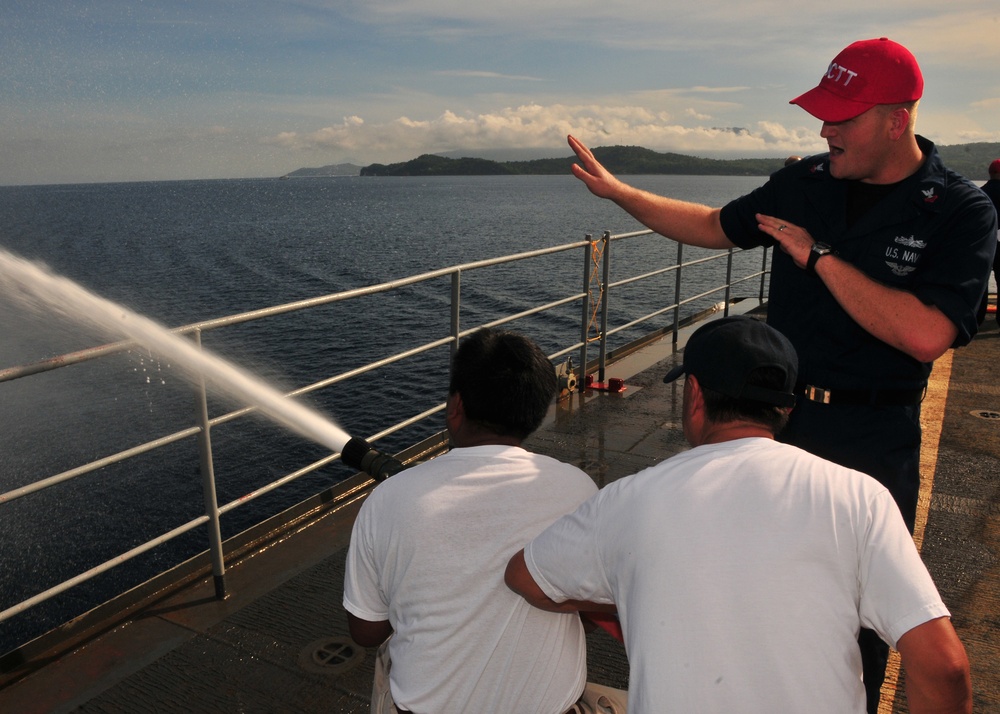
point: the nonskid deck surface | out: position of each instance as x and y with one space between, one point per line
279 643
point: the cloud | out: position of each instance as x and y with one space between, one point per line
545 127
486 75
989 103
707 26
697 115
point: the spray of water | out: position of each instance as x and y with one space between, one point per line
32 286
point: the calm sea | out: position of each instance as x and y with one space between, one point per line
181 252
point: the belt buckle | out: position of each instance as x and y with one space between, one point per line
817 394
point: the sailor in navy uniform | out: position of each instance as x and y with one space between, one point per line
931 235
881 259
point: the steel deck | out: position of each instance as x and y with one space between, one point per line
279 642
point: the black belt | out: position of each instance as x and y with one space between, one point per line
860 397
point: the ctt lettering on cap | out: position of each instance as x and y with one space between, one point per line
838 72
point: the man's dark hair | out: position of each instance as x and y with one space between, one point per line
721 408
505 380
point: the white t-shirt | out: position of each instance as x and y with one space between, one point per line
742 572
428 554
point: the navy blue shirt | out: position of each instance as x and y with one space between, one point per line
933 235
992 189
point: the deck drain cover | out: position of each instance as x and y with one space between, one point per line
331 655
986 414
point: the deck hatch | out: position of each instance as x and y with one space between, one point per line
988 414
331 655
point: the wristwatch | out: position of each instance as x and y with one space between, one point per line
817 251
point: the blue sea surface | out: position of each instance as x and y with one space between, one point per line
186 251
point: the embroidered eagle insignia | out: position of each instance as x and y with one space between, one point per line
929 195
911 242
817 168
900 270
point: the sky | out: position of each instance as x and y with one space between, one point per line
131 90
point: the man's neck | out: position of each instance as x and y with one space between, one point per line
905 161
730 431
465 440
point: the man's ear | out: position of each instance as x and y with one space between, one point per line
693 410
691 382
454 412
694 398
899 122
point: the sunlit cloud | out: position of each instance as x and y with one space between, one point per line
542 127
697 115
486 75
989 103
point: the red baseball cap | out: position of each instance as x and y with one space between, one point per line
995 167
863 75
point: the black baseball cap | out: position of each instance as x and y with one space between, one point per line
723 353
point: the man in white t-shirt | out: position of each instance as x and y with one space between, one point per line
430 545
743 569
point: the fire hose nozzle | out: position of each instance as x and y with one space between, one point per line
359 454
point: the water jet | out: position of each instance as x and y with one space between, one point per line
34 286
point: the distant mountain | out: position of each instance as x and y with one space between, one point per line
970 160
618 159
434 165
638 160
331 170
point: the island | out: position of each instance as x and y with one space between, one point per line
970 160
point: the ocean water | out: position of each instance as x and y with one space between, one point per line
181 252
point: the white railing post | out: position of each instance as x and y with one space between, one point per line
677 292
763 275
605 289
588 257
456 309
208 482
729 281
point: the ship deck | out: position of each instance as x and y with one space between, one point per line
279 642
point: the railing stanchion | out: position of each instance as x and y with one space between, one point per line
456 309
677 292
208 482
763 275
588 257
605 289
729 281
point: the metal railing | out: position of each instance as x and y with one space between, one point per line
594 301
